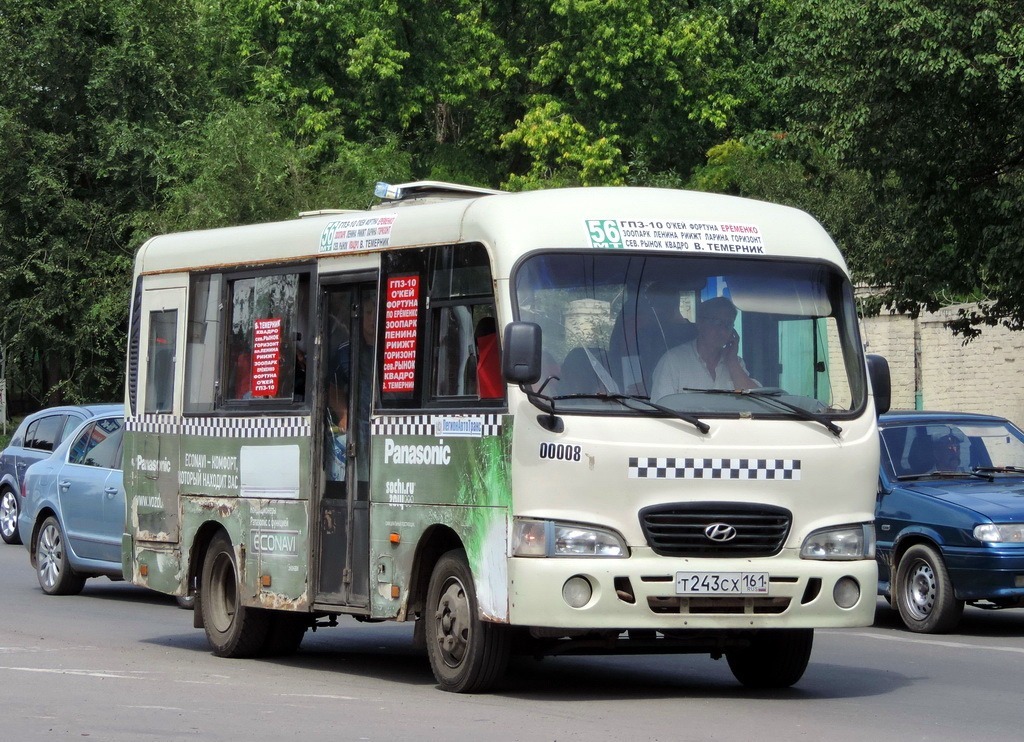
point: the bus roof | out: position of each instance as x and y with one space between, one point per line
510 225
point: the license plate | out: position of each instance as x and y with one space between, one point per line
721 583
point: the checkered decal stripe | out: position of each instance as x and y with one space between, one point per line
672 468
409 425
222 427
428 424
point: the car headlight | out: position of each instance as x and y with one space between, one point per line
840 543
1000 533
547 538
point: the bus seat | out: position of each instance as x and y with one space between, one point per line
585 371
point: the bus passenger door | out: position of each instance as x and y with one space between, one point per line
153 456
343 516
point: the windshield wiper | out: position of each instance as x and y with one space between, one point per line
622 399
999 469
770 396
976 473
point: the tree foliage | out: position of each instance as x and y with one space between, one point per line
894 122
926 97
90 95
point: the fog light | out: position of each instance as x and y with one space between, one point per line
846 593
577 591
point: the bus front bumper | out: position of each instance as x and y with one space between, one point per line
640 592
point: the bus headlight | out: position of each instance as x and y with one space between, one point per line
840 543
547 538
1000 533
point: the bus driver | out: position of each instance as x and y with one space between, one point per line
710 360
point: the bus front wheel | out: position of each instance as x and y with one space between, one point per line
466 654
775 658
232 629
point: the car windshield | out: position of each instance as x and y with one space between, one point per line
696 335
921 449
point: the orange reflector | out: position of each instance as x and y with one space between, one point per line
395 591
265 580
395 538
144 569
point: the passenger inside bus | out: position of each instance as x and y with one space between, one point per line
709 361
340 382
488 366
644 332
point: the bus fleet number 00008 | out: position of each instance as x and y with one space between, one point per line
560 452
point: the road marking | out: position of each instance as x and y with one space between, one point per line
15 650
933 642
84 673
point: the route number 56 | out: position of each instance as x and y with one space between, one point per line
604 233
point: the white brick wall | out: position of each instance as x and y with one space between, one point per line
985 375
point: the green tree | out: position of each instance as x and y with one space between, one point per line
242 166
641 85
925 97
89 93
424 75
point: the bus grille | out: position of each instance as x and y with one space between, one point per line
713 529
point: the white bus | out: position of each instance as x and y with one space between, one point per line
567 421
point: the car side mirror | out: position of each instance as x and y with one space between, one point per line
881 383
520 363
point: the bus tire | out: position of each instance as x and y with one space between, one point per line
232 629
775 658
285 633
466 654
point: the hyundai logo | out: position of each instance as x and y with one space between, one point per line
720 532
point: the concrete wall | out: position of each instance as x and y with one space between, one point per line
985 375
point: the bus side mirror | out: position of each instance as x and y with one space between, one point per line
881 384
520 361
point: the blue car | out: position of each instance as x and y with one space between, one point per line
950 516
34 440
73 513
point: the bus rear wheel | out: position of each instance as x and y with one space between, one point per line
775 658
466 654
232 629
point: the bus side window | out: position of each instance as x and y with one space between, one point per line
162 349
453 348
465 354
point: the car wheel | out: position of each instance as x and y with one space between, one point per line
924 594
9 511
52 567
466 654
233 630
775 658
186 602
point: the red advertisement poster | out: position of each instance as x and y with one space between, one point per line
400 321
266 357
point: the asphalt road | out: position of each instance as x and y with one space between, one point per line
121 663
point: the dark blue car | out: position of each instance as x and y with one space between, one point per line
950 516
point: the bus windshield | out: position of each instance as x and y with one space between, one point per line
694 334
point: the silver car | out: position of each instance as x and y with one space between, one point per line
73 513
34 440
